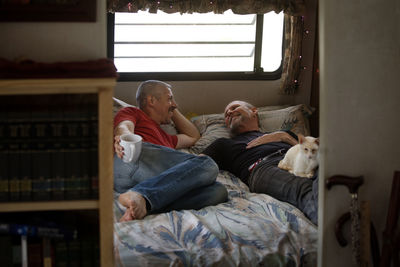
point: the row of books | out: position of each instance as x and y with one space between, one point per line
33 246
48 147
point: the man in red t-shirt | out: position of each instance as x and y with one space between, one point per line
163 178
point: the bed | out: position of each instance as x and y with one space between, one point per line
248 230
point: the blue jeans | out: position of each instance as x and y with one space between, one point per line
169 179
301 192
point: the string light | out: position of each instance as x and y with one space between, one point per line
305 32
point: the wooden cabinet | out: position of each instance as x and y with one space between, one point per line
102 205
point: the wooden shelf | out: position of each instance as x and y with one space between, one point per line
54 86
49 205
104 88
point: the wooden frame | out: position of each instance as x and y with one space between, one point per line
65 11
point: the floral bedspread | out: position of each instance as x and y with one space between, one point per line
249 230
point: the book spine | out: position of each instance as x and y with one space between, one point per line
74 250
35 255
3 150
89 108
41 183
47 252
13 144
6 243
73 156
85 160
16 256
18 139
57 147
40 156
24 250
72 161
25 160
94 153
87 253
61 253
13 170
3 165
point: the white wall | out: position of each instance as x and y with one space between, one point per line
360 125
56 41
204 97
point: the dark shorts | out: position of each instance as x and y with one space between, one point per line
301 192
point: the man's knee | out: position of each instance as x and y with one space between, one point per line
211 167
222 192
217 194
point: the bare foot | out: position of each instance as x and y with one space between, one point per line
135 204
127 216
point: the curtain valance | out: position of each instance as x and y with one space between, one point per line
290 7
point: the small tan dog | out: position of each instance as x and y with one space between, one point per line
302 159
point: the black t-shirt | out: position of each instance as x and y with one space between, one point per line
231 154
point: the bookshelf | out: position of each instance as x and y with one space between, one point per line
103 89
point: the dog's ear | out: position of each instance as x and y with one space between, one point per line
317 141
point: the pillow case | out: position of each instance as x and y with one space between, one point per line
271 118
118 104
293 118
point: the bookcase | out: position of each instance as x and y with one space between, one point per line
100 204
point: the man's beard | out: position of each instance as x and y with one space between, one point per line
234 127
168 119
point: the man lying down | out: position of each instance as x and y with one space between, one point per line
254 156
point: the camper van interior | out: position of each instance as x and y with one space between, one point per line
327 69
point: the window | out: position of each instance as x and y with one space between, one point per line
196 46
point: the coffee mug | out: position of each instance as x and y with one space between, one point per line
132 144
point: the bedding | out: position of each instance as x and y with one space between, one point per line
248 230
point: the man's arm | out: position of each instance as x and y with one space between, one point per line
279 136
187 132
124 127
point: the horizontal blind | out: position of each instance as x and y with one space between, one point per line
145 42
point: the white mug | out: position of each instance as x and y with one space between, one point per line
132 144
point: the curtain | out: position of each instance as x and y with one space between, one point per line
293 9
293 37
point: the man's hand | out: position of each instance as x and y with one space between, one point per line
188 133
272 137
125 127
118 149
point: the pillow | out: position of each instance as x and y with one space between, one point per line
271 118
118 104
293 118
211 127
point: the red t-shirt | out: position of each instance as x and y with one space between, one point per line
147 128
